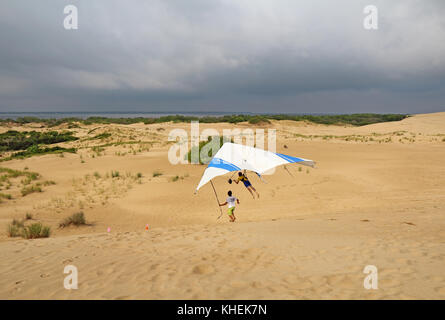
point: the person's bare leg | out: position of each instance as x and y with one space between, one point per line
251 192
258 195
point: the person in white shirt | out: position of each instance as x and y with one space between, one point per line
231 202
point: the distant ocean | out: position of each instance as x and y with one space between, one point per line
84 115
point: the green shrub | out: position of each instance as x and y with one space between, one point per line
115 174
76 219
36 150
36 230
157 174
220 140
18 223
14 140
31 189
258 120
101 136
13 231
5 196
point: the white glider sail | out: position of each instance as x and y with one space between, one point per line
236 157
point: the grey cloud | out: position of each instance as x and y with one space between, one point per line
264 56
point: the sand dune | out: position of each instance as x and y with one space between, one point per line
377 197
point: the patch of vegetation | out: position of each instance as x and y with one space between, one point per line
28 216
13 231
115 174
157 174
17 228
49 183
18 223
5 196
359 119
31 189
259 120
14 140
6 173
36 230
206 159
76 219
36 150
101 136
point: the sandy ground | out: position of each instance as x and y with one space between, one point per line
377 197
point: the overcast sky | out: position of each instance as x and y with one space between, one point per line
223 55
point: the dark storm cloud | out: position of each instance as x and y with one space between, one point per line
226 55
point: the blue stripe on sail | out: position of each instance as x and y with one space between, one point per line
222 164
289 159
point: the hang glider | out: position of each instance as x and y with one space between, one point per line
236 157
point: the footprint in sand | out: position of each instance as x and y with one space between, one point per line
203 269
342 282
441 291
389 283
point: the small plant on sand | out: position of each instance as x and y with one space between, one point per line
139 175
28 216
175 178
13 231
157 174
18 223
31 189
97 175
36 230
76 219
5 196
300 169
115 174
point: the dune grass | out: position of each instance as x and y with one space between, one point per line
13 231
157 173
37 150
17 228
36 230
77 219
31 189
14 140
